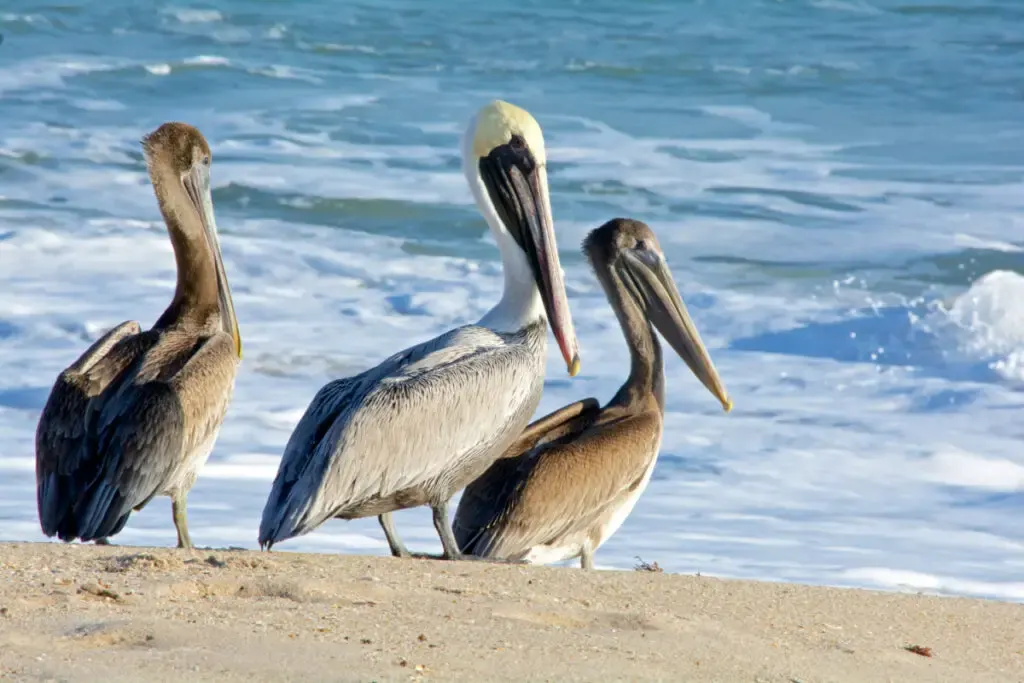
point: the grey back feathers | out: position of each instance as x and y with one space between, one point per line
411 431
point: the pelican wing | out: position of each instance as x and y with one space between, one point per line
302 461
407 424
567 485
556 425
62 428
136 431
483 498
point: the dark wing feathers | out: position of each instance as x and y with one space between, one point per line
63 421
299 454
565 421
480 505
137 435
110 432
62 446
542 500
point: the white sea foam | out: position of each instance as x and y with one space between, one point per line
196 16
339 47
932 583
287 72
207 60
986 323
958 468
971 241
49 72
854 6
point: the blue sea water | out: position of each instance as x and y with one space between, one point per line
837 185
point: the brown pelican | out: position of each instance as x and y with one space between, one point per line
418 427
137 414
572 477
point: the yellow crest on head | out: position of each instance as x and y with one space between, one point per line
498 121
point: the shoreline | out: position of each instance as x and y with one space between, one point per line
128 613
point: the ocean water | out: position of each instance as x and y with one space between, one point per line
837 185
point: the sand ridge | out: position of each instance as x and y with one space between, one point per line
120 613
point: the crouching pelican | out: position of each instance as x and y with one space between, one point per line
572 477
421 425
137 414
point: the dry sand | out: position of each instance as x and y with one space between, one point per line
87 613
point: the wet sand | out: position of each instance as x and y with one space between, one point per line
88 613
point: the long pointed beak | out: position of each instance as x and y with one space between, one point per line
519 192
667 312
540 238
197 183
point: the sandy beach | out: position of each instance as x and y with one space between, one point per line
87 613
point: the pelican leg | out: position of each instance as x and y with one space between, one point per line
444 530
450 545
398 549
181 520
587 559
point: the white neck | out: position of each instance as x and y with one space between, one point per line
520 302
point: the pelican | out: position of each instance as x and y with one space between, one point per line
421 425
137 414
572 477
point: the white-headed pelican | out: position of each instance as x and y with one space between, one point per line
421 425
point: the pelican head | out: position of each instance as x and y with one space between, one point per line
179 152
630 250
505 163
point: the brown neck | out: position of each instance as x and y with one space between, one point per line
646 372
195 295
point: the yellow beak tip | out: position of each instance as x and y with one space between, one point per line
727 405
574 366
